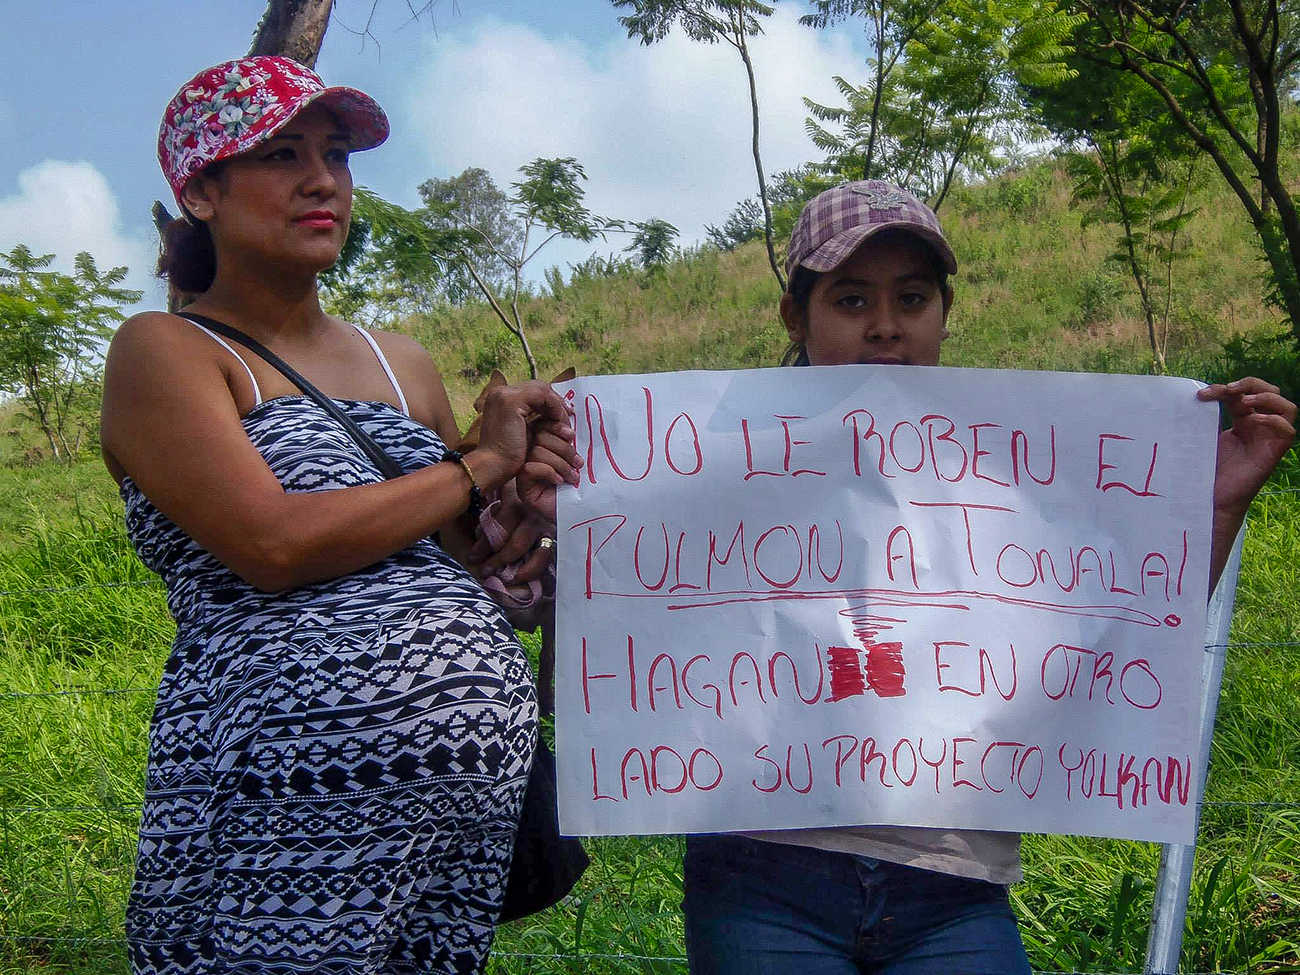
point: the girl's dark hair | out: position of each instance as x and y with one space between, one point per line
803 280
188 260
800 289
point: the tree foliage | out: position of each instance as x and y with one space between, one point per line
890 27
743 224
547 203
790 190
710 21
653 243
394 262
1226 73
469 230
1133 168
53 328
473 199
1123 182
702 20
943 103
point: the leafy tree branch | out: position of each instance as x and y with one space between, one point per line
710 21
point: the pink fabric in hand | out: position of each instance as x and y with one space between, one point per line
502 582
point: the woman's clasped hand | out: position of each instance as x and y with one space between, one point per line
528 427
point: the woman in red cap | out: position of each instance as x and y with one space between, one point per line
345 723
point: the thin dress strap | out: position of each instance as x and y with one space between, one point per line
257 392
388 371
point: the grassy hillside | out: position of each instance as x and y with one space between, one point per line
1035 291
84 629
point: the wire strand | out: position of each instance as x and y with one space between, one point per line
89 585
521 955
79 691
137 806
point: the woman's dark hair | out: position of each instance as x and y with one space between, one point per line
803 280
188 260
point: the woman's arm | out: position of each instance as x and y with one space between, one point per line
428 403
521 527
170 423
1262 431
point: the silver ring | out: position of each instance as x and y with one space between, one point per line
546 543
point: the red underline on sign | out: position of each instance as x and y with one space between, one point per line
954 599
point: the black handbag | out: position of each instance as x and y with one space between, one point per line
545 865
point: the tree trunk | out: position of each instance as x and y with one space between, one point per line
1114 183
1286 266
516 328
293 28
961 149
758 159
1261 133
879 93
34 386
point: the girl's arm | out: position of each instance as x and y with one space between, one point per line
170 423
1262 430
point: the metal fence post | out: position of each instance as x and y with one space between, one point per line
1174 878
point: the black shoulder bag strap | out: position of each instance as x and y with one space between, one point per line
378 456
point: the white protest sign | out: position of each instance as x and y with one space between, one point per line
860 595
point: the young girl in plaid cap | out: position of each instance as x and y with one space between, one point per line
870 282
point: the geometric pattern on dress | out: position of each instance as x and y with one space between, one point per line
335 773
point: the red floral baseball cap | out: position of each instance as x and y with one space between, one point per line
836 222
232 107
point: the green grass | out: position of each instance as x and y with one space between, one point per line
53 493
64 870
72 756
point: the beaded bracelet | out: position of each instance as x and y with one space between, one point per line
476 500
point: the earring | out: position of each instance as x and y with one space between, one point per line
188 217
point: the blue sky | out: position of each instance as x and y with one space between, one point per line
662 131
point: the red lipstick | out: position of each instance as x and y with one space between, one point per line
322 219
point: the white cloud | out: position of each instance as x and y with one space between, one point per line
662 131
65 207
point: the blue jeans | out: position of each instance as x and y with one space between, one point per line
758 908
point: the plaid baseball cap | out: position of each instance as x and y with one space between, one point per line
836 222
232 107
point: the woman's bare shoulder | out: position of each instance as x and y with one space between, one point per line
153 333
421 381
161 375
403 349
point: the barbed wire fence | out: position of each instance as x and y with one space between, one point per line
50 941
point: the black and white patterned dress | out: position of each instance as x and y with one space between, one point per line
335 772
